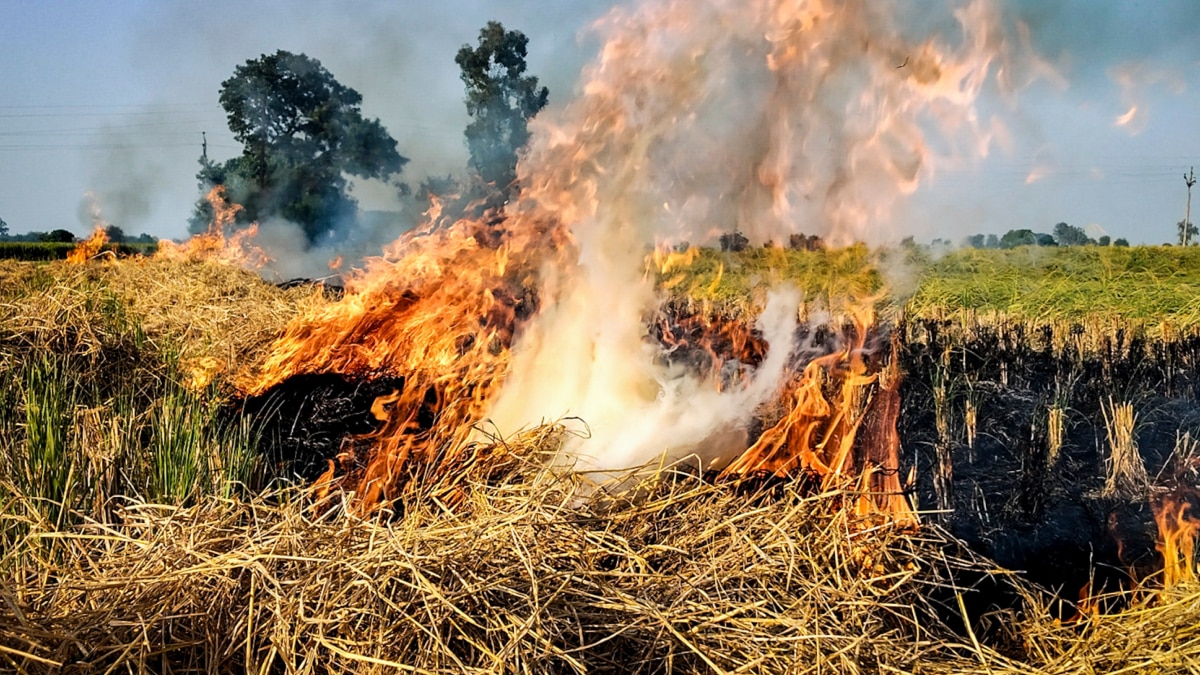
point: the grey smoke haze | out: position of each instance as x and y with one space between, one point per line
83 78
125 178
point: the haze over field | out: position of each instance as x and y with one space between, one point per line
113 97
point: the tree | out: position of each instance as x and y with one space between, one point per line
1069 235
1104 240
60 236
302 134
115 234
1186 234
993 241
501 100
975 241
1014 238
3 228
1043 239
1122 242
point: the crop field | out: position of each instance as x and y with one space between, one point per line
159 514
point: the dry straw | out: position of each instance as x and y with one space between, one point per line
525 575
1126 472
215 316
671 575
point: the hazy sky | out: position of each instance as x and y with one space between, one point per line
112 97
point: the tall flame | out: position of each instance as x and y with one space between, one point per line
94 245
1177 530
88 248
767 117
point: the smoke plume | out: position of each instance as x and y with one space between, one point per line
700 118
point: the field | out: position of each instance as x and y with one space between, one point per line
38 250
151 519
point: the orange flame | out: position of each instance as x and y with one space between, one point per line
94 245
440 309
1177 530
89 248
820 112
828 404
215 245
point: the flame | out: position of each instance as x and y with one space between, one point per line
88 248
1127 118
1037 173
1135 80
439 309
1177 530
697 118
94 245
221 243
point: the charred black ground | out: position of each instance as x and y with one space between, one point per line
1009 497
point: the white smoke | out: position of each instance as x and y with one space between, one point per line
769 117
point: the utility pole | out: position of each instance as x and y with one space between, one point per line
1189 179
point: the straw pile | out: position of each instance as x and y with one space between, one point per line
674 575
212 318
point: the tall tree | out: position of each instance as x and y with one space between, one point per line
302 134
1069 235
1186 232
3 228
501 100
1015 238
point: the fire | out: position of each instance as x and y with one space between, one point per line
1177 530
828 402
440 309
89 248
94 245
221 243
766 117
1127 118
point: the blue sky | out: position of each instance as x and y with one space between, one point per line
112 97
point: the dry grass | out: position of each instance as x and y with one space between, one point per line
671 575
675 575
530 571
1158 633
1125 469
214 317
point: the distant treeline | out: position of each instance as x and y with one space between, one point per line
1064 235
57 250
115 234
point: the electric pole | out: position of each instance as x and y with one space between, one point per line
1189 179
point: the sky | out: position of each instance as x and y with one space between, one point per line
111 97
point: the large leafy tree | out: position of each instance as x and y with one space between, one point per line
501 100
302 134
1069 235
1014 238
